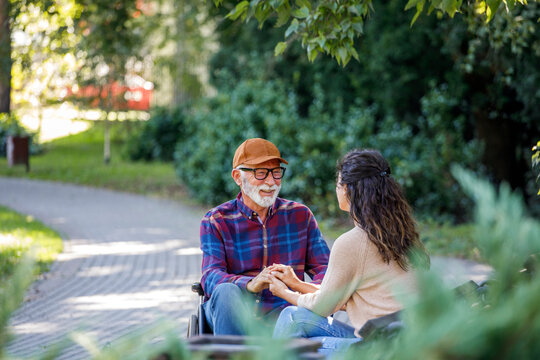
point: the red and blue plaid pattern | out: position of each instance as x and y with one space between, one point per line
236 246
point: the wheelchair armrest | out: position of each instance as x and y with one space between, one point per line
197 288
384 325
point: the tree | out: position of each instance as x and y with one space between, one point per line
112 36
331 26
42 62
10 23
5 56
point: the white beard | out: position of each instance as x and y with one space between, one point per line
253 192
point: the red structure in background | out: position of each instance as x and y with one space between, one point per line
136 95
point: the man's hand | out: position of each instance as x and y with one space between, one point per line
286 274
259 282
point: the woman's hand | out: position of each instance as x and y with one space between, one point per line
277 287
286 274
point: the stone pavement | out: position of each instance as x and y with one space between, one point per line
128 262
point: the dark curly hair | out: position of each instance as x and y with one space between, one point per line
379 207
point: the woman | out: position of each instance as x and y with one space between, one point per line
369 265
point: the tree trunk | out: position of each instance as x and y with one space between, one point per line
5 57
179 85
107 141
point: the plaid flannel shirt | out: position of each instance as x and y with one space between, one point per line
236 246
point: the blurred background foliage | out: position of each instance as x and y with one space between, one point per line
444 91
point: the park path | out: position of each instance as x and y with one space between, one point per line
128 262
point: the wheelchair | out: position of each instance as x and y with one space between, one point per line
385 326
197 324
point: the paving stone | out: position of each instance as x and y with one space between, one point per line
124 265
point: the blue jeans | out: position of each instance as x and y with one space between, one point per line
231 311
300 322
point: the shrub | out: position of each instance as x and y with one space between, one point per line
11 126
420 156
203 158
157 137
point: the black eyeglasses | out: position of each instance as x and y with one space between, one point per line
262 173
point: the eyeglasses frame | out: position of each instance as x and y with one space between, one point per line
268 171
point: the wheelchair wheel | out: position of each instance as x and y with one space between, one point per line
193 326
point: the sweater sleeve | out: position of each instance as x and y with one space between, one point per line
345 271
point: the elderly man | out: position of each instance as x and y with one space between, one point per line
242 238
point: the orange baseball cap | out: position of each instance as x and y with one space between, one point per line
255 151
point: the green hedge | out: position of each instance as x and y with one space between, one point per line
420 156
157 138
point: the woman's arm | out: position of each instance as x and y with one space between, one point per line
279 289
344 274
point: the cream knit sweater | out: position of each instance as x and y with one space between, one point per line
359 279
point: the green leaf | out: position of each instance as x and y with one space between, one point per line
343 53
284 13
280 48
238 11
262 12
301 13
411 4
419 8
321 41
358 27
292 28
312 55
449 6
303 3
492 5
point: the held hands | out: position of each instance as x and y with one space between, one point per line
277 287
286 274
259 282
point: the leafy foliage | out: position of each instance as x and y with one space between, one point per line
203 157
11 126
257 109
536 160
449 84
157 138
332 27
11 295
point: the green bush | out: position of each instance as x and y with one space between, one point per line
420 156
11 126
203 158
157 138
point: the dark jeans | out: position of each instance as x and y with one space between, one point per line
231 311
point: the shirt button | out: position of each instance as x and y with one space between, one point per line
257 301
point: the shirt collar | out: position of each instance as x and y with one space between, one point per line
248 212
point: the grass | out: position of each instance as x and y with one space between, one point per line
449 240
19 233
78 159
